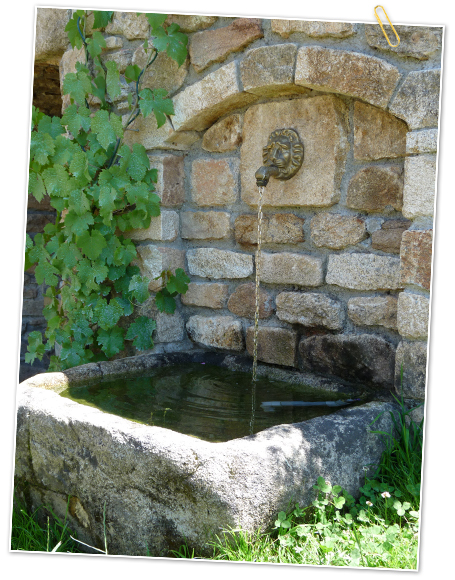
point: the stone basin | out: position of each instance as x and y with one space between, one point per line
157 488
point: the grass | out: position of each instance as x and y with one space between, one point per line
27 534
380 529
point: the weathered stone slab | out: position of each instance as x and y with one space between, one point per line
214 182
225 135
216 45
242 302
217 331
205 225
209 295
145 131
374 311
313 28
425 141
413 315
364 272
415 257
164 227
276 346
374 188
154 259
419 186
321 123
214 263
170 185
280 228
388 238
417 101
350 73
336 231
129 25
310 310
411 357
268 71
189 23
287 268
202 103
164 73
112 43
363 358
51 40
415 41
377 134
117 465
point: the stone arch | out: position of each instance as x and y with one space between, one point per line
280 70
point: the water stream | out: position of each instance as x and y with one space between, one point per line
258 270
256 313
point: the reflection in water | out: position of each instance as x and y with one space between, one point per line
207 402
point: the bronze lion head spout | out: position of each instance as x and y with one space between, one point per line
282 156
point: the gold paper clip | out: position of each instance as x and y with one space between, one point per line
380 24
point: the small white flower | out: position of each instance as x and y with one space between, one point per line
385 494
298 549
368 502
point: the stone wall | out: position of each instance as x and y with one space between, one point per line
347 242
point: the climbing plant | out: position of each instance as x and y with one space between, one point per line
100 188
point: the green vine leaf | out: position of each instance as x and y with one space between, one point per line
139 288
46 272
36 348
41 147
69 253
96 44
108 314
91 244
78 202
107 198
141 331
172 41
78 224
36 186
107 128
132 73
79 168
165 302
90 275
138 163
73 33
111 341
112 79
155 20
77 86
76 118
158 102
99 88
51 126
102 18
178 284
75 354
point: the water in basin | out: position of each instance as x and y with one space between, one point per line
205 401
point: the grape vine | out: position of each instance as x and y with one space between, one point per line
99 186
